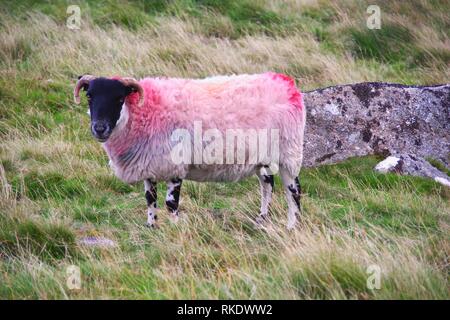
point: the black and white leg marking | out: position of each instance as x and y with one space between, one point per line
293 194
173 197
296 191
151 196
266 182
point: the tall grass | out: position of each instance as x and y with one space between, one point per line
55 185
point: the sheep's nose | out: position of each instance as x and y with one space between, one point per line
100 128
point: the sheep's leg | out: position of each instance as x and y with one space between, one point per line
173 197
151 196
293 193
266 182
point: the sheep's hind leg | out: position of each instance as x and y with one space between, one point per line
173 198
151 196
266 182
293 193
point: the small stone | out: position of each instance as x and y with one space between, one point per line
387 165
442 181
97 242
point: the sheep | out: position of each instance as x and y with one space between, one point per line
141 123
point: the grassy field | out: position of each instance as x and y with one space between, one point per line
56 187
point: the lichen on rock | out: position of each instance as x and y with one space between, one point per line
378 118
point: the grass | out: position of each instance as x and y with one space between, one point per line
55 185
439 165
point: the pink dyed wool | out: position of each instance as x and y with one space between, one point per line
262 101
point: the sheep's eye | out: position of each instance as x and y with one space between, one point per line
121 100
88 96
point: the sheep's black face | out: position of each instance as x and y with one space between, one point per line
106 98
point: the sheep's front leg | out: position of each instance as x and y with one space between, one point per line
293 192
173 197
266 182
151 196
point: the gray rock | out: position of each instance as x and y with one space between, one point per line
377 118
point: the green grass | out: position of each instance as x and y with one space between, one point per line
341 200
438 165
395 45
48 241
247 17
391 43
56 186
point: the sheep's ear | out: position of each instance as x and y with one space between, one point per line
85 86
130 90
134 85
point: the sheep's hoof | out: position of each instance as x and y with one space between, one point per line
153 225
262 220
291 224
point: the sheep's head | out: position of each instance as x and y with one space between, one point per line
106 98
